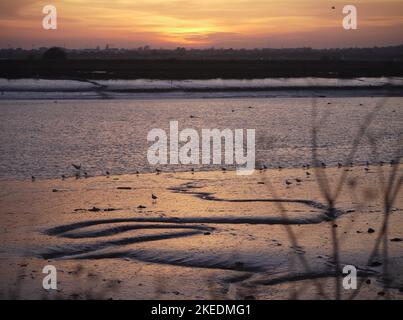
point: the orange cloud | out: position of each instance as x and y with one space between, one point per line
169 23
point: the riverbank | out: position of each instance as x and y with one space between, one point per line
171 69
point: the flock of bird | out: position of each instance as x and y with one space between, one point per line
264 167
323 165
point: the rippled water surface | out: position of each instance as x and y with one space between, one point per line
44 137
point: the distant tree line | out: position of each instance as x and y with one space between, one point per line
391 53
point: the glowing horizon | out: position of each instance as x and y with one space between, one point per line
200 24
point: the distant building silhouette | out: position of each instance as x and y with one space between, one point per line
54 53
391 53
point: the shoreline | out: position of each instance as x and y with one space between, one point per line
92 96
190 171
215 88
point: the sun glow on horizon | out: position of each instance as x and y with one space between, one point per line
190 23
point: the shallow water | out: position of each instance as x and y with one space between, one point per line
37 89
44 137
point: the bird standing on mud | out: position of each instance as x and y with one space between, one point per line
77 167
154 198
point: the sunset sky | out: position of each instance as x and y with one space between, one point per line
200 23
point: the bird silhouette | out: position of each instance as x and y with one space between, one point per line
154 197
288 183
77 167
33 178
